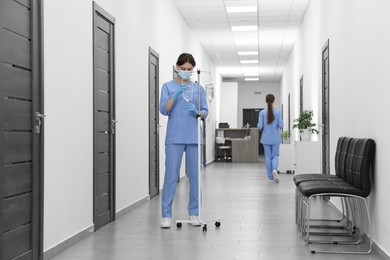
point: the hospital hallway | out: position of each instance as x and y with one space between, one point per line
257 223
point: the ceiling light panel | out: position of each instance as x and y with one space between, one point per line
246 53
237 2
241 9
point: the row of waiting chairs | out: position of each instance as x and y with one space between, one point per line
351 233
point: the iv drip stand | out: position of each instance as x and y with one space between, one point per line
201 221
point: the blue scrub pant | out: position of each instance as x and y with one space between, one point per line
174 155
271 153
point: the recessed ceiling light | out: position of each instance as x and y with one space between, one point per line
241 9
244 53
251 79
249 61
244 28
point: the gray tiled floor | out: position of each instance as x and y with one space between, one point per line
257 223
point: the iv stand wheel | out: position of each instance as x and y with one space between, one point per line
204 228
178 224
217 224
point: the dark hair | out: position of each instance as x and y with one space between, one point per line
185 57
270 116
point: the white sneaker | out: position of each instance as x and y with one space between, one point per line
165 222
194 221
276 177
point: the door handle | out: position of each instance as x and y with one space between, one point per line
38 117
113 124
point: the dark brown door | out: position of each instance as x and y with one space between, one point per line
289 111
325 109
301 94
104 118
251 117
154 126
21 130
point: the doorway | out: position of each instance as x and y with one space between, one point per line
104 122
301 95
250 116
21 135
154 161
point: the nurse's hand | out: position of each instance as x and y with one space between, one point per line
183 87
191 107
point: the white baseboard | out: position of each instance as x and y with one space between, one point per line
68 243
87 232
133 206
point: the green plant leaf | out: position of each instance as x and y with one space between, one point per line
304 121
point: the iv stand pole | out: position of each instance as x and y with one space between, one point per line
202 222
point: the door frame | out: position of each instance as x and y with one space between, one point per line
37 138
289 111
96 11
38 84
325 114
301 94
156 55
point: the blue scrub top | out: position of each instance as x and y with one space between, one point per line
182 125
271 132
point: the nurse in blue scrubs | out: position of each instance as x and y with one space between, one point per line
182 136
270 121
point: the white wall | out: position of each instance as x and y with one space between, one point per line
228 103
359 37
305 60
68 103
68 125
247 98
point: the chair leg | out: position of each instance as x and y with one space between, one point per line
348 222
344 221
354 207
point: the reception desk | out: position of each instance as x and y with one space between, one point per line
244 143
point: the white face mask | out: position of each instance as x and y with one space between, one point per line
186 75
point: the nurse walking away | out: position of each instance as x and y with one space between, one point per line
182 136
270 121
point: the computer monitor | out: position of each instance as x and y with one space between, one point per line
223 125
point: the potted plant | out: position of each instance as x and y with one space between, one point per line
305 124
285 135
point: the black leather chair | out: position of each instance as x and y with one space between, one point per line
341 151
353 166
340 156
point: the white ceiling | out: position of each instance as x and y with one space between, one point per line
277 22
